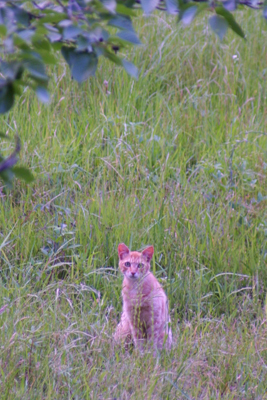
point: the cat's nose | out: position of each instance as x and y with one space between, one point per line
133 273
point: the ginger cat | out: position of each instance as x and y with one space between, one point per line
145 316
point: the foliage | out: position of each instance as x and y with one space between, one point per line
32 32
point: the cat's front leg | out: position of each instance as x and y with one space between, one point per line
138 337
123 331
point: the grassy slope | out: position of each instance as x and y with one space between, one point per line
176 159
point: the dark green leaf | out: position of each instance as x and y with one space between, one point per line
23 173
7 176
129 3
8 44
71 32
2 16
188 15
121 9
53 37
42 94
230 5
112 57
3 30
81 3
82 64
6 97
187 11
19 72
48 57
130 68
57 45
116 43
96 35
65 23
17 86
41 30
21 16
67 53
172 6
231 20
218 25
99 50
10 70
129 36
149 5
36 68
73 7
49 27
53 17
82 43
20 43
110 5
41 43
121 22
26 34
103 14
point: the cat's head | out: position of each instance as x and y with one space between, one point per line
133 264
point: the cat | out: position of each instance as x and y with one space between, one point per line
145 316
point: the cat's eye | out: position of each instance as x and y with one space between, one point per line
140 265
127 264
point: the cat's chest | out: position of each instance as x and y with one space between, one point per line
135 301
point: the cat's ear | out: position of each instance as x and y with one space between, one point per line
123 251
148 253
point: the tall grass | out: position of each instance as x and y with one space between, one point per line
176 159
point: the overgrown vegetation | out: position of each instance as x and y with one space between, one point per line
176 159
32 33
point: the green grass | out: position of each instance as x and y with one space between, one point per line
177 159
